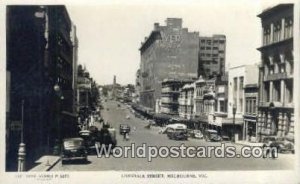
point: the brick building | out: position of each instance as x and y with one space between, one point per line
170 51
170 95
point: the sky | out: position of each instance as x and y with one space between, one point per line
110 33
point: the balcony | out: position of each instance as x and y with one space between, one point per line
277 76
169 101
169 90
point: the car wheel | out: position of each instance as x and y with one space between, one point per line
63 162
293 151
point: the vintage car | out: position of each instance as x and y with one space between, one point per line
73 149
107 137
198 134
212 135
283 144
124 128
177 131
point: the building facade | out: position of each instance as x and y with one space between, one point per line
238 78
250 115
212 56
40 63
170 51
169 96
276 107
186 101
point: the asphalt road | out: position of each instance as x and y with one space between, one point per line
117 115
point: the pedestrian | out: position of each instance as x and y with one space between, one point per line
134 128
127 136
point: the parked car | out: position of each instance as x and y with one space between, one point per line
73 149
124 128
107 136
212 135
179 135
283 144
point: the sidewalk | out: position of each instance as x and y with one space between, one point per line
45 163
247 143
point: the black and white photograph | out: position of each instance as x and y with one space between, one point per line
150 91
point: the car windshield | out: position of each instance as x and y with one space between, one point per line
73 143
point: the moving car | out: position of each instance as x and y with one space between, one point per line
73 149
212 135
124 128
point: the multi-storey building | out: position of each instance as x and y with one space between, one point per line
170 94
238 78
250 115
137 87
204 97
186 101
74 40
40 63
276 107
84 87
170 51
212 56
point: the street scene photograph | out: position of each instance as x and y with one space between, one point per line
207 86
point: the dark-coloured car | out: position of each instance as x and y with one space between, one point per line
182 135
124 128
73 149
177 134
283 144
212 135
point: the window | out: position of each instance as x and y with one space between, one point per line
222 106
267 35
288 28
241 83
277 32
208 48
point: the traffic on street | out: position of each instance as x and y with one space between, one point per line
120 117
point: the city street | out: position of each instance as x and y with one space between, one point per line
117 115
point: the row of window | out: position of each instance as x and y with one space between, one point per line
277 31
251 105
210 41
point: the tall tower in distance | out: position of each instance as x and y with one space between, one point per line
114 87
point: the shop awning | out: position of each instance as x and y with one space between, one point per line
229 121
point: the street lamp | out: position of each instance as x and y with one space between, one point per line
234 112
22 150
